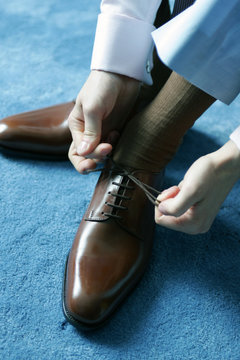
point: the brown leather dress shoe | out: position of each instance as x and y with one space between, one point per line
42 133
111 248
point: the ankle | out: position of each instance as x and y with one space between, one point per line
134 161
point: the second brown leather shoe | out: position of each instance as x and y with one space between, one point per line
111 248
42 132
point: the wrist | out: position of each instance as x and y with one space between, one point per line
115 76
227 160
107 74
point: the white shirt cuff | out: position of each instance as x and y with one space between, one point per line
123 45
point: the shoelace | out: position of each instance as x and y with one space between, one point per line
147 189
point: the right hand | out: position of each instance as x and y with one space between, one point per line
101 109
192 206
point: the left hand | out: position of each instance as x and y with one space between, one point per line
101 110
192 206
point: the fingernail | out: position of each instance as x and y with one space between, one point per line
82 147
165 191
168 191
105 152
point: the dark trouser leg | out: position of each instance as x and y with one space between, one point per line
152 137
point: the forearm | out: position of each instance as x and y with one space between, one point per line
227 160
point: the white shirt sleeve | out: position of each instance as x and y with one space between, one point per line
123 42
203 45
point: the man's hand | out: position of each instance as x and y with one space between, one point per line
99 114
192 206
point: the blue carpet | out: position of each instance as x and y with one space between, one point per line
187 305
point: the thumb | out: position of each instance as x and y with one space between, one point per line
91 135
178 205
168 193
85 127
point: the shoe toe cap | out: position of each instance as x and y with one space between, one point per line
85 311
3 130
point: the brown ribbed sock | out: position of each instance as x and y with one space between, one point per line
151 138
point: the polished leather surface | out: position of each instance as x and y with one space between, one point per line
110 252
43 131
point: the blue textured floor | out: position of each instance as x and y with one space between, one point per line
187 305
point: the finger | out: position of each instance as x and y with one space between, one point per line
98 155
184 200
189 223
168 193
76 124
92 132
80 163
100 152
